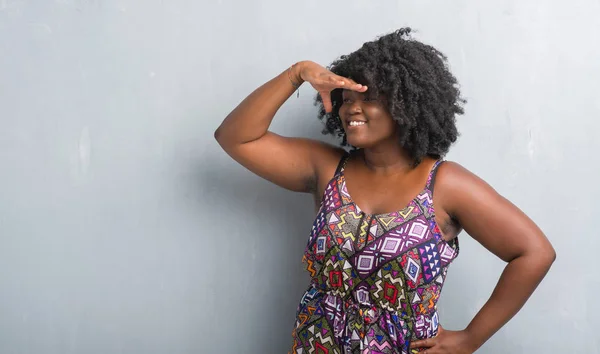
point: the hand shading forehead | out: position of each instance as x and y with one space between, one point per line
353 94
369 94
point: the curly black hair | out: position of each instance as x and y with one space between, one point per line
421 93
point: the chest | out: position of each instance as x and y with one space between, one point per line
367 247
380 195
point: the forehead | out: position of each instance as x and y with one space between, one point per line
370 93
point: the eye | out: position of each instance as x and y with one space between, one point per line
346 100
369 99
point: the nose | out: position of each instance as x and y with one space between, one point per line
355 107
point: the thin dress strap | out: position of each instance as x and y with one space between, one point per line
431 179
342 164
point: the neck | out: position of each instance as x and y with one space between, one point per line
387 159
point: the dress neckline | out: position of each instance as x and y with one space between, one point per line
425 189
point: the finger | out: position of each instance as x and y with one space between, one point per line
327 84
424 343
326 98
336 81
431 351
351 84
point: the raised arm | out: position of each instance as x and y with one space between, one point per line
291 163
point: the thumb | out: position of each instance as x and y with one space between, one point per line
326 98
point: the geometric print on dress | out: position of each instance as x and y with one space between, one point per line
430 260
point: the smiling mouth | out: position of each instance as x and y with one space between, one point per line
355 123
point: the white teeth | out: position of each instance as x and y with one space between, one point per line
355 123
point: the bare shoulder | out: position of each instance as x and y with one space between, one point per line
453 178
457 187
450 170
325 158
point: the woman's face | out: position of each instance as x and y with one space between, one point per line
366 120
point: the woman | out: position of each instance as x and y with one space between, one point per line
382 240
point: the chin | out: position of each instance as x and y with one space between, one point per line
364 140
360 143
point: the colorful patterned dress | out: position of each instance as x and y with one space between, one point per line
376 279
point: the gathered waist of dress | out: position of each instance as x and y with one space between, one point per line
410 320
360 302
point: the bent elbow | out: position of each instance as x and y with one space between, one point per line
551 255
220 137
217 134
547 256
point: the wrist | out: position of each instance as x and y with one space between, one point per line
297 70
